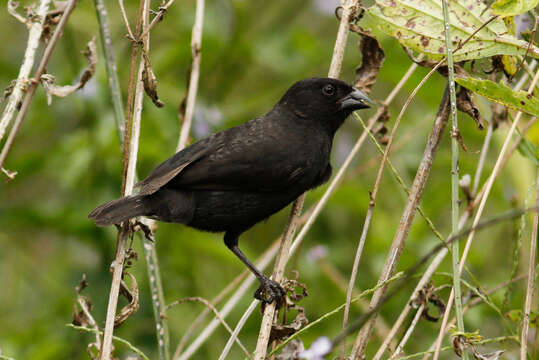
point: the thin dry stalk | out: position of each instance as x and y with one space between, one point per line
408 332
162 10
196 53
206 311
368 217
441 255
211 307
530 287
278 276
488 187
128 181
408 215
237 329
32 86
34 34
110 63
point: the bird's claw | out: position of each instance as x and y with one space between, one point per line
270 291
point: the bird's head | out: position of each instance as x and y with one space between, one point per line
325 100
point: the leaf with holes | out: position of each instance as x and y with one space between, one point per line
513 7
501 93
419 25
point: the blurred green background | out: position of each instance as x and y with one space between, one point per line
68 160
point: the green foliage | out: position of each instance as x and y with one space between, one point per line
501 93
419 25
513 7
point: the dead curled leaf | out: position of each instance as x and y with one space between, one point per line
48 80
466 104
372 59
132 296
150 82
280 332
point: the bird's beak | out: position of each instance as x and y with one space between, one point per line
355 100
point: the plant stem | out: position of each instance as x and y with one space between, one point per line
454 172
33 84
34 34
110 63
196 45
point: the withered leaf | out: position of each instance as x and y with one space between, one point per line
48 80
466 104
372 59
150 82
132 296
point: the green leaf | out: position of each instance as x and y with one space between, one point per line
528 150
515 315
419 25
513 7
501 93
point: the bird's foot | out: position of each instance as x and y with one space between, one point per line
270 291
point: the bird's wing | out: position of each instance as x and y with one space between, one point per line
247 157
170 168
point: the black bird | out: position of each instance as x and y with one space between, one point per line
236 178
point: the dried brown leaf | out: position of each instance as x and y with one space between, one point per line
280 332
489 356
466 104
372 59
12 10
150 82
48 80
132 296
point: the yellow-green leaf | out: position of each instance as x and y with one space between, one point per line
501 93
513 7
419 25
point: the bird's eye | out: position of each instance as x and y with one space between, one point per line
328 90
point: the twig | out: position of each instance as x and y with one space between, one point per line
530 287
348 9
30 91
488 187
115 338
408 332
196 46
206 311
126 20
162 10
408 215
152 264
212 308
368 217
90 318
34 34
454 171
278 276
237 329
128 180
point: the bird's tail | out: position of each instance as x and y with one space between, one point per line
119 210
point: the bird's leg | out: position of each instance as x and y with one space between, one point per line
269 290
